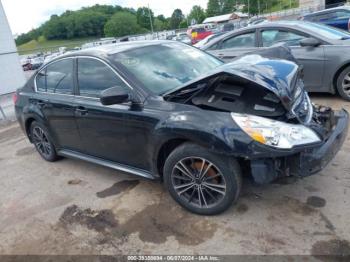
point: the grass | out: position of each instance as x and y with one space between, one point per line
43 45
282 5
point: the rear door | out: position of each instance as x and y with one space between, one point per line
55 99
235 45
311 58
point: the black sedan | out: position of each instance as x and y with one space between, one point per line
165 110
323 51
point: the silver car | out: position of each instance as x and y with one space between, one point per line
323 51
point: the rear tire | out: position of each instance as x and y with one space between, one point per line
42 142
201 181
343 84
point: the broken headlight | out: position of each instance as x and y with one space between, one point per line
275 133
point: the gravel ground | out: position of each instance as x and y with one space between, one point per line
73 207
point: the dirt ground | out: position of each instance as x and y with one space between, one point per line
73 207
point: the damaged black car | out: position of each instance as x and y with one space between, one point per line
166 111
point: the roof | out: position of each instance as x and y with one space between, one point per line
222 18
105 50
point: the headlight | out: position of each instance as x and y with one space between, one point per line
275 133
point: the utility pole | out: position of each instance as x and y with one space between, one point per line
259 7
248 8
150 19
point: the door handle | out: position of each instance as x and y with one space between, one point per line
81 110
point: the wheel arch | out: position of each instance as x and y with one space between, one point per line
27 124
165 150
336 75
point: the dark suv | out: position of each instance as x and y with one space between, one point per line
165 110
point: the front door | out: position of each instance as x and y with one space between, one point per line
108 132
311 58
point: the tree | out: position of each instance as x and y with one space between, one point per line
213 8
176 18
160 25
143 15
197 13
227 6
183 24
220 7
122 24
161 18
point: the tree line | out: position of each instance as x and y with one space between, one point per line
116 21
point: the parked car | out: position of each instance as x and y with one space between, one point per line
184 38
168 111
37 62
323 51
337 17
26 65
206 40
201 31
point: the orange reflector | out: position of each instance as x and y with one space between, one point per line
258 137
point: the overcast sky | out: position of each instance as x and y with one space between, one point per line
23 15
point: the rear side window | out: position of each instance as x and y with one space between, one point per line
56 78
95 77
275 36
240 41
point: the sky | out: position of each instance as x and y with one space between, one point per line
24 15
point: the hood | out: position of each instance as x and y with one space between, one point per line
267 68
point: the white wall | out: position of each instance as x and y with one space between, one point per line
11 73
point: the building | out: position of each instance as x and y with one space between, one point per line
11 73
225 18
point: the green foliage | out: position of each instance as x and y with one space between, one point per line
220 7
122 24
176 18
160 25
143 15
197 13
213 8
183 24
268 6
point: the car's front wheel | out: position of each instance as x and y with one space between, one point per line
201 181
42 142
343 84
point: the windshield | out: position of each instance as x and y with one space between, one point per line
164 67
326 31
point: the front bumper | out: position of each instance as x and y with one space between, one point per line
306 161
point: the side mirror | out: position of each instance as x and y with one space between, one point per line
309 42
114 95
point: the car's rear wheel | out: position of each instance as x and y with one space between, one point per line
201 181
42 142
343 84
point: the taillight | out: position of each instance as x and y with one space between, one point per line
15 98
349 25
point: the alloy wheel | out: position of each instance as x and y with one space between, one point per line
41 142
346 84
198 182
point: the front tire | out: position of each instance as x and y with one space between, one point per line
343 84
201 181
42 142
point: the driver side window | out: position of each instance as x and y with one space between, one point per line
275 36
95 77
